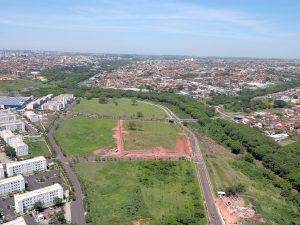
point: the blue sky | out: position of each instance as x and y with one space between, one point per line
255 28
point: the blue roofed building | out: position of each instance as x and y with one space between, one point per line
14 102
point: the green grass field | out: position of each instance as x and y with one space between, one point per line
81 136
37 147
155 192
226 170
18 85
123 107
150 135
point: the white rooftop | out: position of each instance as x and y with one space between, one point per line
11 179
21 197
25 161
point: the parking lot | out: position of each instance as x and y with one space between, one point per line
44 179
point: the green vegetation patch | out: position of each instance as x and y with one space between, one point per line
18 85
119 107
227 170
150 134
155 192
37 147
82 136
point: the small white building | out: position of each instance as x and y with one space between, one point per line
24 202
26 166
15 141
2 176
18 144
18 221
12 184
6 135
33 117
7 117
12 125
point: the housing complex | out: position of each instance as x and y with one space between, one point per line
25 201
26 166
12 184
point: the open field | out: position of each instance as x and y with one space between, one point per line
119 107
226 169
18 85
82 136
152 192
37 147
150 135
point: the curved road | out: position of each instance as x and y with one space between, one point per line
214 216
77 208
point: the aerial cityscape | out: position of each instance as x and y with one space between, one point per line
149 113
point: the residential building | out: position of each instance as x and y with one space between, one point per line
24 202
18 221
26 166
20 147
7 117
2 176
52 106
33 117
12 184
6 135
15 141
12 125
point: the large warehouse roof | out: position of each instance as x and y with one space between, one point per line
14 100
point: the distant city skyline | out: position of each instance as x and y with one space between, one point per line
249 28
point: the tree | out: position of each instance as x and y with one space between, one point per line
38 206
134 101
132 125
57 201
249 158
78 101
139 114
279 104
10 152
103 100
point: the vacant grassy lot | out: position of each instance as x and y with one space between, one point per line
226 170
119 107
150 135
81 136
37 147
155 192
18 85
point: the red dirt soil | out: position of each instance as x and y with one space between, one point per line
182 148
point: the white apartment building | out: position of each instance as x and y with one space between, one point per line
5 111
6 135
26 166
12 125
64 99
18 221
32 116
15 141
38 102
20 147
52 105
8 117
2 176
12 184
24 202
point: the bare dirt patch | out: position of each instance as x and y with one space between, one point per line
234 211
182 148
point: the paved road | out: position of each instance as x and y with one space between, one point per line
77 208
223 115
212 211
